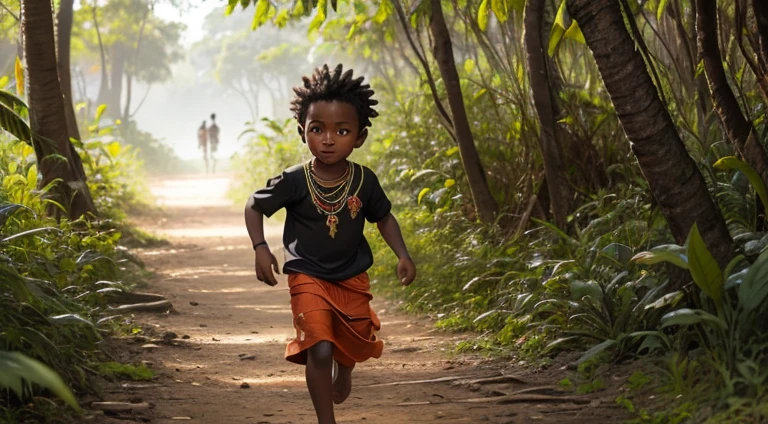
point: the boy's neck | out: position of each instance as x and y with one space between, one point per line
329 172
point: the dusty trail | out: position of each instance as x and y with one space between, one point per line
237 328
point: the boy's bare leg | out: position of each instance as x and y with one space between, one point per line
343 385
318 374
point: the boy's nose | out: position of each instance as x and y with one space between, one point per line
328 139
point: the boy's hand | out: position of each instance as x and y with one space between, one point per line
406 270
265 263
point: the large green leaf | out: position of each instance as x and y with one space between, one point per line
731 162
482 15
558 29
704 269
17 371
754 287
14 103
11 122
671 253
686 316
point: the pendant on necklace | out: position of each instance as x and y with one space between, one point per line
354 204
331 223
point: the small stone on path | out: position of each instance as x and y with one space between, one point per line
193 303
248 357
245 385
150 346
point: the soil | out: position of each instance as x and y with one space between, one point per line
219 351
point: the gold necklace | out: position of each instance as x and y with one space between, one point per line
330 207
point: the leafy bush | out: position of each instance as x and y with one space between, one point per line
55 275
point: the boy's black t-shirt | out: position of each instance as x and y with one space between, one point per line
309 249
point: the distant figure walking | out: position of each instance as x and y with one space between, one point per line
202 143
213 139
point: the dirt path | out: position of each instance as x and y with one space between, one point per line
232 330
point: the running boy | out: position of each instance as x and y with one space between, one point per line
327 201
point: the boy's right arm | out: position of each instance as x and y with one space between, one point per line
265 260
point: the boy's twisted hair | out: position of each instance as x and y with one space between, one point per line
334 86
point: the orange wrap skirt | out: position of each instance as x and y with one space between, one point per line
338 312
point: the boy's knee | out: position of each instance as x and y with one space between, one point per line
321 353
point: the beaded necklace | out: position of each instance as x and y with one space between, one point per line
330 203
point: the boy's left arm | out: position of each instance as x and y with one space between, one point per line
390 230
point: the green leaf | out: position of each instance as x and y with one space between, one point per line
731 162
754 288
100 111
261 15
703 267
592 352
558 29
319 18
17 368
660 9
500 9
282 18
669 299
383 12
11 122
671 253
70 319
424 191
581 289
482 16
298 10
452 151
619 252
14 103
469 66
574 33
114 148
686 316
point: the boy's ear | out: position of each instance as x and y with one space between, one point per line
361 138
301 133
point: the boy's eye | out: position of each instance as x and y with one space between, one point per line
343 131
315 130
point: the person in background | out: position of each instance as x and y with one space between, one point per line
213 140
202 143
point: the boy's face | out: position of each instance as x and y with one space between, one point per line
332 131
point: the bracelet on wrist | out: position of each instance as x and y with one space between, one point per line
257 245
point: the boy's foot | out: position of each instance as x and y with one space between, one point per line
342 387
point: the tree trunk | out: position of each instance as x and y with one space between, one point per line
63 42
739 130
484 202
760 9
46 113
559 191
675 182
103 96
117 69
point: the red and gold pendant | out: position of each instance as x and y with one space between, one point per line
331 223
354 204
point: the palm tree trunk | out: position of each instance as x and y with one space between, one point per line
559 191
485 204
674 180
46 113
739 130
